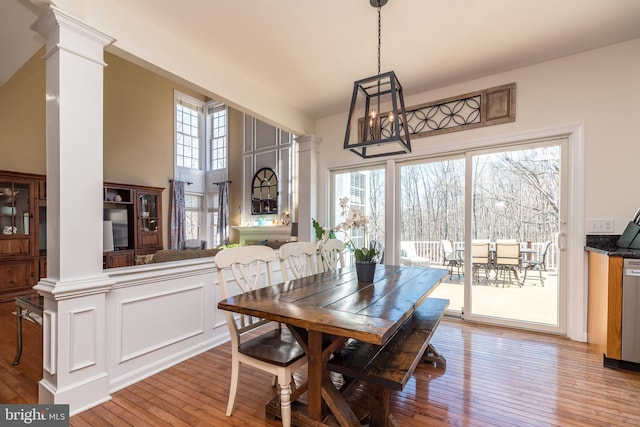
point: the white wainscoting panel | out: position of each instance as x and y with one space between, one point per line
158 315
160 319
50 338
83 329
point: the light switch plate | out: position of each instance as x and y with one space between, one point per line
600 226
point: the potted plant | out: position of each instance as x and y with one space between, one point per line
366 256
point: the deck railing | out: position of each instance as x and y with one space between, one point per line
433 251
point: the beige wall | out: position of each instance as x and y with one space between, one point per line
22 119
138 127
598 88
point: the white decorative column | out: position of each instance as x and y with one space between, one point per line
308 149
74 366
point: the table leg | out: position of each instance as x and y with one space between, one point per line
379 402
315 406
18 336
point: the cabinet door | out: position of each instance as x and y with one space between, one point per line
149 219
17 217
119 259
16 276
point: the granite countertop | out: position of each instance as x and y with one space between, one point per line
607 245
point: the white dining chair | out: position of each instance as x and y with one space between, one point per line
332 255
301 258
275 350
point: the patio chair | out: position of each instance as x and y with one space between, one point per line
451 258
480 259
409 256
538 264
275 350
379 246
332 255
507 261
302 258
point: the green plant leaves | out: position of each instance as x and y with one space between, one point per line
365 255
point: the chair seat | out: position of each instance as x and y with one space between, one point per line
277 346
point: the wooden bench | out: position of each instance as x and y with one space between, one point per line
389 367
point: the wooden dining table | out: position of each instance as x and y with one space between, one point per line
325 310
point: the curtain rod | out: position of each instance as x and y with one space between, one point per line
173 180
222 182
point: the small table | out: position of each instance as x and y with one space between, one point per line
25 305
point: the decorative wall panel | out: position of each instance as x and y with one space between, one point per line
486 107
83 351
159 320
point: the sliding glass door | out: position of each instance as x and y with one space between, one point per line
492 218
432 221
515 213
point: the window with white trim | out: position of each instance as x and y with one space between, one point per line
201 157
188 132
217 137
193 211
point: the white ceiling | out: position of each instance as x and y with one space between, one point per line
310 52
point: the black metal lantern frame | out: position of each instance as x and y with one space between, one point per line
379 134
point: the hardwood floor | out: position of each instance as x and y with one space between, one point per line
19 384
494 377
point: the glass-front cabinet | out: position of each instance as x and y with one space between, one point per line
16 217
133 217
149 217
15 208
18 252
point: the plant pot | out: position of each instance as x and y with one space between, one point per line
365 271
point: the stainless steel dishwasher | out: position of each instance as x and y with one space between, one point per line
631 310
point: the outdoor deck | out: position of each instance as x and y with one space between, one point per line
531 302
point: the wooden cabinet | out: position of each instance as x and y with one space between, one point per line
135 213
16 278
18 234
604 324
118 259
149 219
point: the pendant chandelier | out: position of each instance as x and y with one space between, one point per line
379 133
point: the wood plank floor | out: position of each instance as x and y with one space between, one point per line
19 384
494 377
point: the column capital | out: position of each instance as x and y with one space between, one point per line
66 32
308 142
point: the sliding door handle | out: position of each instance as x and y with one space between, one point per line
562 241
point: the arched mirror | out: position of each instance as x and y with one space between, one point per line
264 192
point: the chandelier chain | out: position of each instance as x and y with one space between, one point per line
379 34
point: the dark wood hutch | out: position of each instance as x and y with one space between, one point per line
137 211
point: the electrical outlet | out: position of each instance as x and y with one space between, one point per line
600 226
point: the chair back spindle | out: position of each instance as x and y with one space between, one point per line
301 259
332 255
